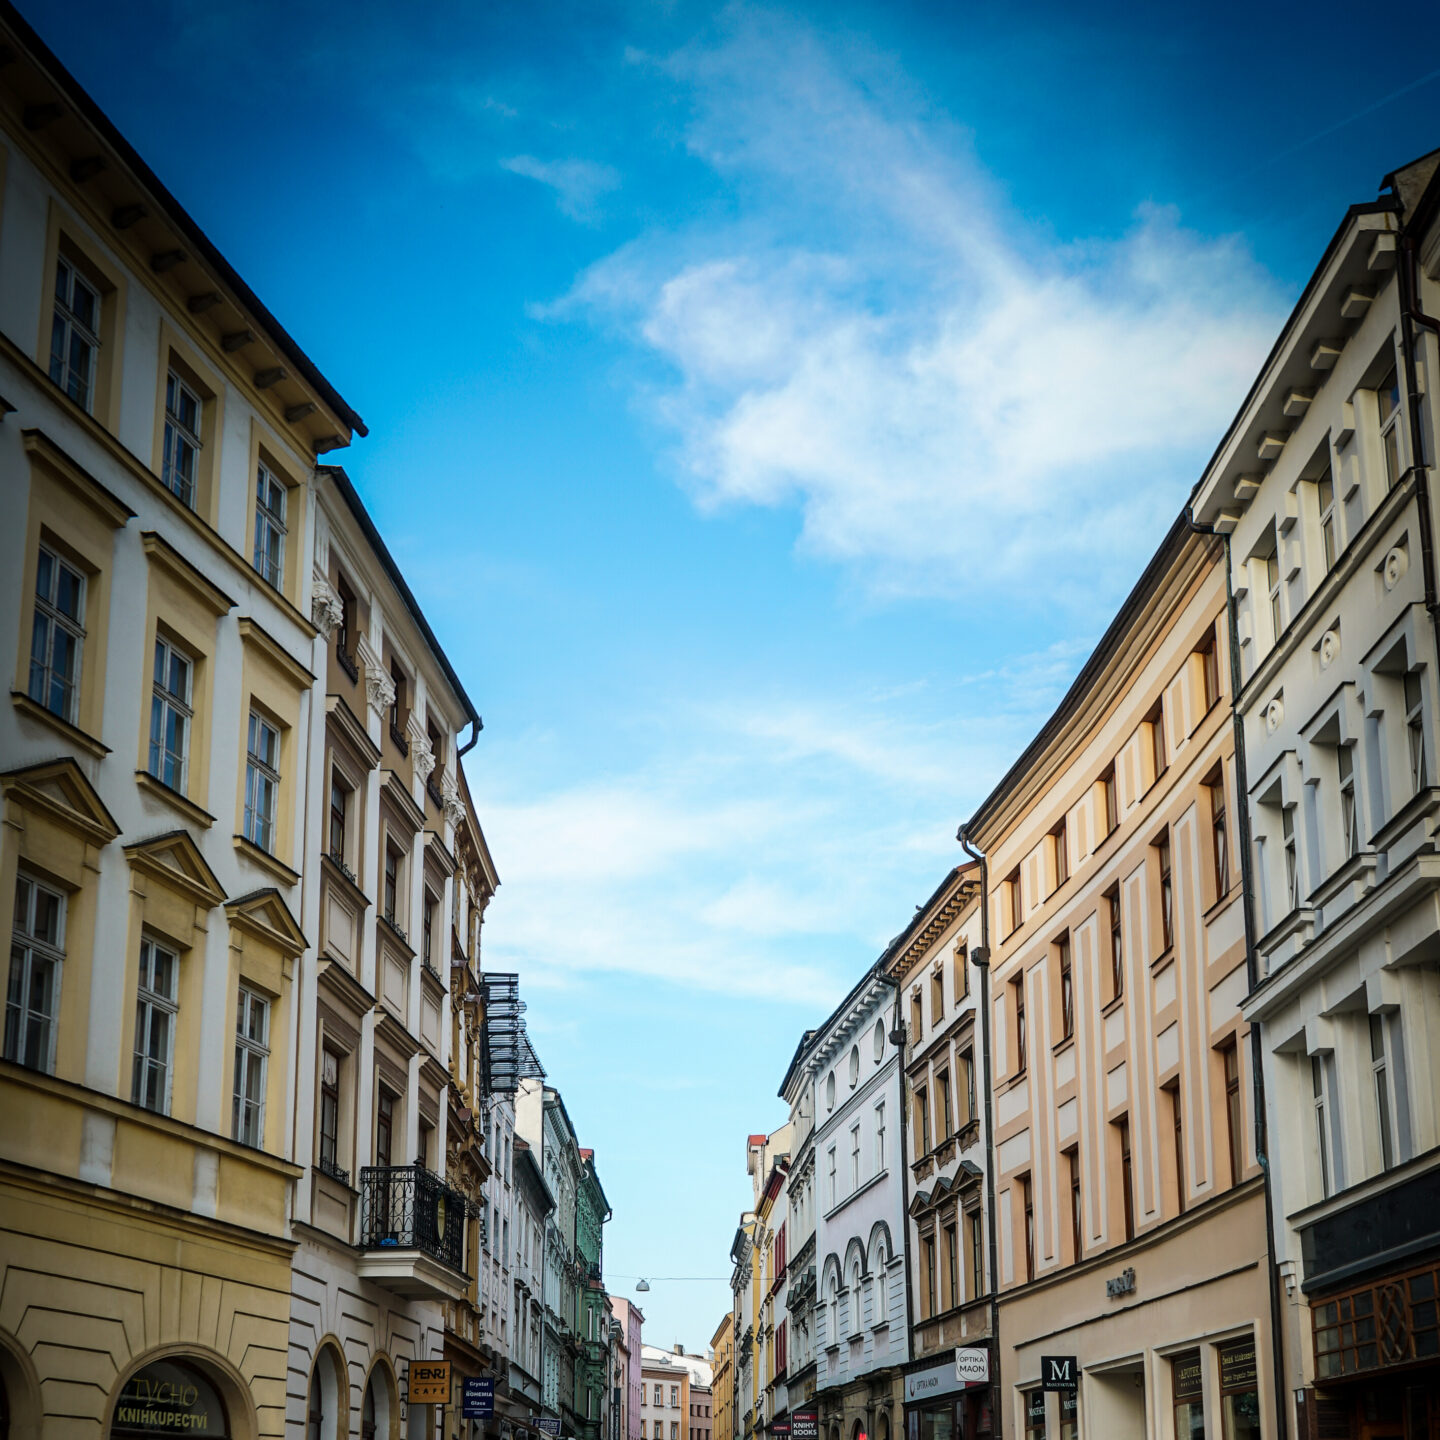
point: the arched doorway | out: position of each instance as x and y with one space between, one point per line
378 1407
19 1391
169 1397
325 1409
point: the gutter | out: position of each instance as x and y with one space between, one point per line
981 958
1252 976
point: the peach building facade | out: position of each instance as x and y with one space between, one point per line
1130 1211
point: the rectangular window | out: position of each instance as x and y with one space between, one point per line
1034 1402
927 1246
1155 727
181 460
937 996
974 1280
155 1008
962 971
942 1099
329 1111
1219 834
879 1160
1067 989
1012 899
427 939
1027 1206
270 498
1349 815
1117 946
1230 1055
1325 499
339 816
37 947
1240 1392
1380 1070
392 882
262 782
170 714
1189 1395
834 1194
1167 895
56 636
854 1157
1127 1179
1292 859
967 1085
659 1393
345 631
1210 668
1272 584
1017 991
952 1266
1318 1103
1177 1123
1060 854
385 1128
1077 1211
1387 399
917 1017
399 711
1415 730
1112 801
922 1120
75 335
674 1397
252 1054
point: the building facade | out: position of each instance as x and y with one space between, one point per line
722 1348
1324 490
1130 1213
665 1402
592 1210
772 1332
625 1364
946 1151
797 1090
533 1205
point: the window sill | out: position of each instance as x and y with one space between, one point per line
266 861
73 733
1066 1043
349 883
161 791
1220 901
1113 1005
1162 959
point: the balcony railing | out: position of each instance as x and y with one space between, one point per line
347 663
409 1208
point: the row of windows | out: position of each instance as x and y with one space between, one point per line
855 1169
952 1111
960 989
37 963
947 1278
335 1072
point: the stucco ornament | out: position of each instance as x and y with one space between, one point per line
1397 562
455 813
1274 714
422 757
1329 648
379 687
326 611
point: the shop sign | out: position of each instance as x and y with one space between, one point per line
548 1424
1237 1366
931 1383
477 1397
1186 1376
779 1427
1122 1284
428 1382
805 1425
972 1365
166 1398
1059 1372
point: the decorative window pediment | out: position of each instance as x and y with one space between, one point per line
266 916
59 789
175 860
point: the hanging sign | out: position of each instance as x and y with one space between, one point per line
805 1425
972 1364
477 1397
428 1382
1059 1372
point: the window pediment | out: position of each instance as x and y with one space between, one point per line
265 915
175 860
77 480
59 789
168 558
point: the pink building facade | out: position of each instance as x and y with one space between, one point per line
627 1379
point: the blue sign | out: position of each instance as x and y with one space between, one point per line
477 1397
548 1424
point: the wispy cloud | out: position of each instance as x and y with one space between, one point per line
949 396
578 184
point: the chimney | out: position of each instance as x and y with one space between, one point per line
679 1349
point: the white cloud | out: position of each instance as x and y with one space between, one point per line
578 184
950 398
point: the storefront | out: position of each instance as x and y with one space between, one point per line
950 1399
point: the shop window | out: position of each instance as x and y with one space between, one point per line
1239 1391
1034 1403
1188 1392
169 1397
1069 1415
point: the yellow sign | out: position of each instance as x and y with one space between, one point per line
429 1382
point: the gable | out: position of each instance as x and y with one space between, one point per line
60 790
175 860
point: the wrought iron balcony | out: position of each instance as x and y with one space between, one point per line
412 1231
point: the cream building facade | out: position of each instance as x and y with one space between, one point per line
1130 1212
1324 490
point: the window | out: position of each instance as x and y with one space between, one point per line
937 996
1325 499
1177 1121
1415 730
1292 864
1012 899
1067 989
329 1111
1112 801
917 1016
262 781
1034 1401
830 1091
1387 398
1272 585
1060 854
946 1118
1155 729
962 971
834 1195
879 1143
928 1278
973 1282
345 632
922 1120
339 815
1210 668
398 710
1380 1070
155 1009
952 1266
659 1395
252 1052
37 946
170 714
422 1158
1167 894
854 1066
1349 816
1317 1091
1219 835
1027 1206
392 881
1127 1178
180 463
269 526
1117 946
877 1041
385 1130
1188 1392
75 335
56 635
1239 1391
854 1157
427 950
967 1083
674 1397
1077 1208
1017 990
1230 1056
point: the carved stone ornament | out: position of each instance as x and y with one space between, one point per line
326 611
1274 714
455 814
1397 562
379 688
1329 648
422 757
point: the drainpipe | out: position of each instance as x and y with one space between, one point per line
1252 973
476 726
1411 315
897 1034
981 959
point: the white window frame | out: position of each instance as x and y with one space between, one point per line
67 327
880 1138
270 526
1320 1106
152 1005
1273 588
1384 1100
1349 804
26 948
1291 856
262 784
1392 439
855 1157
1329 537
252 1052
1414 692
182 440
166 706
48 612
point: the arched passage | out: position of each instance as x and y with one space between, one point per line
327 1398
19 1390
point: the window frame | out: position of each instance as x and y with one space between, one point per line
177 432
1388 427
167 705
1066 987
72 325
1414 698
329 1092
47 608
251 1052
151 1003
1329 518
1117 943
270 525
1384 1106
260 771
33 946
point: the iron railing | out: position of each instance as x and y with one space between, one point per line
408 1207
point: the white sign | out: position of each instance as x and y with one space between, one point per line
972 1365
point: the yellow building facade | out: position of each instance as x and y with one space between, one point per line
722 1385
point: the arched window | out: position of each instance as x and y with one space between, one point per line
882 1288
375 1410
168 1397
322 1405
857 1322
833 1337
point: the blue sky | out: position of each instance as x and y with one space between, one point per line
769 405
